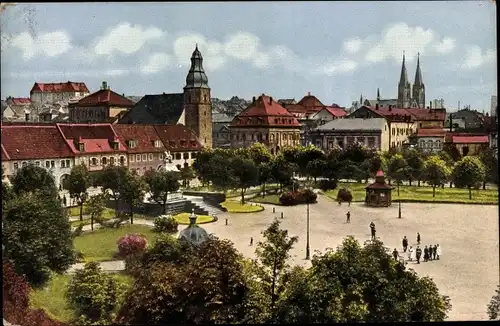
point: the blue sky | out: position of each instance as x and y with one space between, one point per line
335 50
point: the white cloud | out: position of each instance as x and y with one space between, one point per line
211 51
475 57
242 45
51 44
261 60
338 67
156 62
69 74
398 38
126 39
353 46
447 45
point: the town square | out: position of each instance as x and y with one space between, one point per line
250 163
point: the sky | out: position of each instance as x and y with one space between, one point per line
334 50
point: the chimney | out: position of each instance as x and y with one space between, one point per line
270 100
376 106
104 85
253 100
390 108
430 104
308 93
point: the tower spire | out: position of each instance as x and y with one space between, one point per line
196 76
418 73
403 79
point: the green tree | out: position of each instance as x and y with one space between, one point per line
77 183
356 153
273 254
361 284
494 306
435 172
202 166
207 288
111 178
282 171
160 184
490 161
259 153
468 172
220 177
265 175
36 234
315 168
415 160
96 205
94 295
334 164
308 154
245 174
397 169
187 174
132 191
33 178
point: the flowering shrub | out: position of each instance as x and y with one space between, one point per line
165 223
308 196
131 244
288 199
302 196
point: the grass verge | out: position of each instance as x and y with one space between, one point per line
183 218
236 207
423 194
100 245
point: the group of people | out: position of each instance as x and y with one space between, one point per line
430 252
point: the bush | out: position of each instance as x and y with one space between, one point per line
133 264
345 195
308 196
131 244
326 185
165 223
288 199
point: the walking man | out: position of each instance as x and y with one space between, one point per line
418 238
405 244
348 217
426 253
251 241
434 252
419 254
430 252
372 228
395 254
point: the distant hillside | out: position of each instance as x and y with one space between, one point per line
230 107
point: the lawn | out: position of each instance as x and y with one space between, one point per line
267 199
100 245
86 221
52 298
75 211
236 207
424 194
183 218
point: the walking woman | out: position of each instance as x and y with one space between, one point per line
410 254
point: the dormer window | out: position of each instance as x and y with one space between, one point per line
156 144
132 143
115 144
171 143
81 147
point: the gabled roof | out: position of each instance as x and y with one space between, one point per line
354 124
25 142
96 137
104 97
19 101
265 112
144 136
156 109
177 138
336 112
67 87
310 102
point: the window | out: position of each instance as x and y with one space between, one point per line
132 143
371 142
185 156
157 144
429 143
81 147
23 164
193 155
37 163
438 144
52 164
350 140
160 156
104 161
112 160
131 158
47 164
360 140
150 157
16 166
422 144
68 163
177 156
144 157
138 158
94 161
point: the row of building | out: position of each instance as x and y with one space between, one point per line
58 147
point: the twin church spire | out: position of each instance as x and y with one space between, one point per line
408 97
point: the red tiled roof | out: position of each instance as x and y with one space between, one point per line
469 139
310 102
428 114
104 97
34 142
380 173
265 112
20 101
144 135
336 111
68 87
431 132
177 138
96 137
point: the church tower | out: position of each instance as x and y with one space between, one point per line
404 95
197 103
418 92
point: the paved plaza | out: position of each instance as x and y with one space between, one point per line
468 271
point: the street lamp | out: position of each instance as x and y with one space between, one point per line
307 241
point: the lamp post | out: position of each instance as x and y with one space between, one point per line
307 239
399 203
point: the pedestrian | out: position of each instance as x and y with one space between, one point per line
438 251
348 217
251 241
372 229
434 252
419 254
418 238
395 254
430 252
340 202
405 244
426 253
410 254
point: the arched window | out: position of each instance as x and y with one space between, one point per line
429 143
122 160
422 144
112 160
244 137
104 161
438 144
